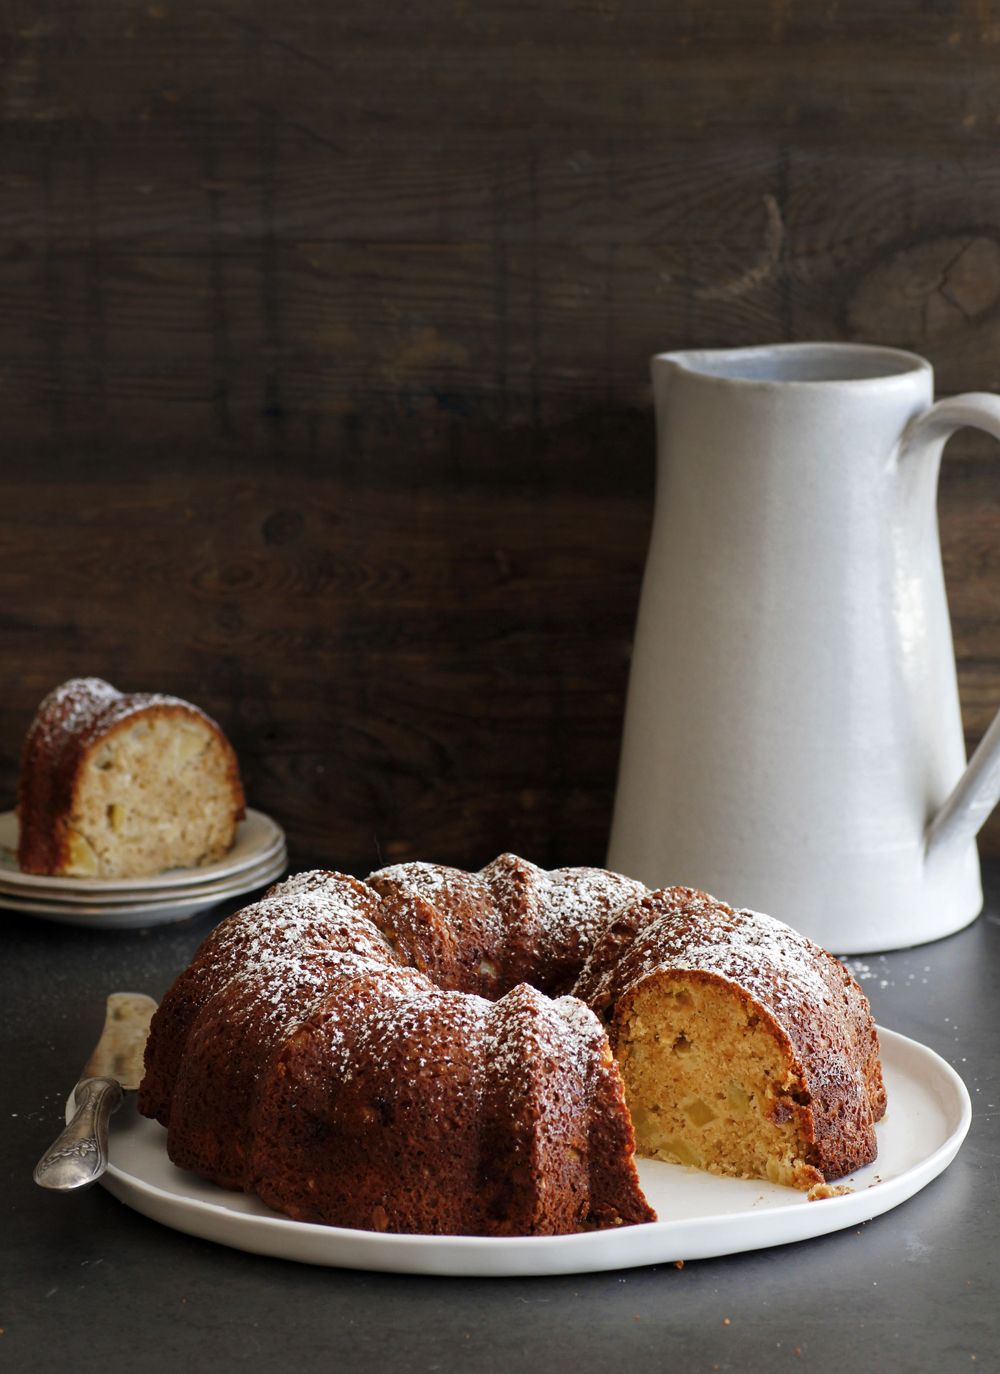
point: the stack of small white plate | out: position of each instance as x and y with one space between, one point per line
257 858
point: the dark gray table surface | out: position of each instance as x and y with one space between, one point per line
88 1284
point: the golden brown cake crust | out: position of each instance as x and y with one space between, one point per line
73 721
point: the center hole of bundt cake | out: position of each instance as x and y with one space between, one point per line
705 1081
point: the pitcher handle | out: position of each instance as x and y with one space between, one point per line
977 791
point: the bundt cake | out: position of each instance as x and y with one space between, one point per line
403 1053
117 785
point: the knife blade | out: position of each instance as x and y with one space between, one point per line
79 1156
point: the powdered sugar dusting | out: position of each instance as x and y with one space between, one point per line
581 1022
430 881
312 950
580 901
84 704
531 1038
74 704
320 925
321 911
764 956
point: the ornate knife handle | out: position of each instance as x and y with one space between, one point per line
80 1155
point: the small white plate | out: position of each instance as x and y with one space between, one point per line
87 900
169 907
929 1115
257 838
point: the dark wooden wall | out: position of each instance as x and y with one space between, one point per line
323 359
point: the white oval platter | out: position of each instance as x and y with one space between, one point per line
704 1216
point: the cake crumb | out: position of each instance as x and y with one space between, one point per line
821 1190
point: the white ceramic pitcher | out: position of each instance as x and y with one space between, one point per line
792 738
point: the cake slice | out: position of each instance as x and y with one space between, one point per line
744 1048
116 785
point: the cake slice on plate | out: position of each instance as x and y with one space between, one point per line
124 785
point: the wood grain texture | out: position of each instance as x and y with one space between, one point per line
323 360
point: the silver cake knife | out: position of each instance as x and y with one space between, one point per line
80 1155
